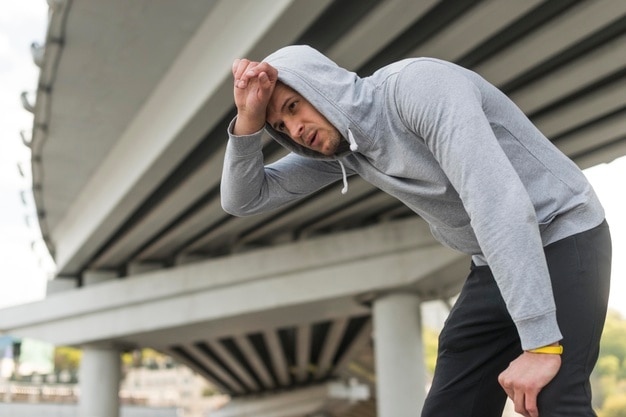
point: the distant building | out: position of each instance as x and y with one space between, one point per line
160 386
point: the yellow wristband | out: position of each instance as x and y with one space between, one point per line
554 350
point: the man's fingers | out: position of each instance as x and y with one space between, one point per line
245 70
530 404
270 71
525 401
257 68
519 400
235 66
264 80
239 66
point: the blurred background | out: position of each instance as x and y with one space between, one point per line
113 120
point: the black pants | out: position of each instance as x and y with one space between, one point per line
479 339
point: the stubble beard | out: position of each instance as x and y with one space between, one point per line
334 143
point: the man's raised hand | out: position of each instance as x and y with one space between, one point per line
254 83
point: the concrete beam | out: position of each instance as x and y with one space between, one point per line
317 279
576 75
585 109
376 30
475 26
278 360
333 339
566 30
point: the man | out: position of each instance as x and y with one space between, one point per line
460 154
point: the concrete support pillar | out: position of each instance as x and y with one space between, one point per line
99 378
399 354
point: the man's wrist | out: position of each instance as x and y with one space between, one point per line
245 126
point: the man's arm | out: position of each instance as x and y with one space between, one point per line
248 187
452 122
453 125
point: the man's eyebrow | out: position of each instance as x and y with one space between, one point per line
282 110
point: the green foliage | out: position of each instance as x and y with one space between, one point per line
127 359
608 365
614 406
66 358
209 391
614 337
431 341
145 358
609 375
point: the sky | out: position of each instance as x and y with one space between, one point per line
25 264
24 261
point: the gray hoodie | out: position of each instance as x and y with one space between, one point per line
450 146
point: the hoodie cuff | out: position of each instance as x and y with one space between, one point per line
231 128
244 144
539 331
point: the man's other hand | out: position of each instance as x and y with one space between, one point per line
525 378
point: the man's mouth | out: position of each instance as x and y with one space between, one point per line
311 139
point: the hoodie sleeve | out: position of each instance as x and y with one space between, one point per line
248 187
444 107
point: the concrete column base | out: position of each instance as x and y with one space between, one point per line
99 379
398 350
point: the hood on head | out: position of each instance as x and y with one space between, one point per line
332 90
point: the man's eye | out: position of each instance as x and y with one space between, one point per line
281 126
292 105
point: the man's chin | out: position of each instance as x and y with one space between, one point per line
329 150
331 146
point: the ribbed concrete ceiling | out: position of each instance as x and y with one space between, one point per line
563 62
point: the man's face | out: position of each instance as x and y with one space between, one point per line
290 113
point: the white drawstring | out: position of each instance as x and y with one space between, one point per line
345 178
353 145
353 148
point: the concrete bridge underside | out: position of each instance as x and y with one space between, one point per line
127 145
266 321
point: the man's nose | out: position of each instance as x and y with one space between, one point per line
295 129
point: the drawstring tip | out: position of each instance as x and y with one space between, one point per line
344 177
353 145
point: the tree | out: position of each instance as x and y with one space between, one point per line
66 359
609 375
614 406
431 341
614 337
608 365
